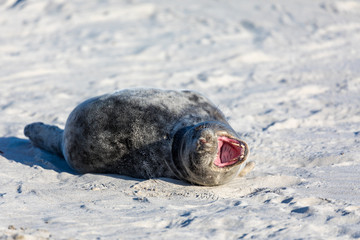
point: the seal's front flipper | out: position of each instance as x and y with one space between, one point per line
248 167
45 136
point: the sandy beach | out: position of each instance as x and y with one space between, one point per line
285 73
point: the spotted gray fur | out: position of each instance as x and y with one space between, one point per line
143 133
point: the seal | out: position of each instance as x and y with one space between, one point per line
147 133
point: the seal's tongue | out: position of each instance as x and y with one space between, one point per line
229 152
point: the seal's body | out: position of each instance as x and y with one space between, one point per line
147 133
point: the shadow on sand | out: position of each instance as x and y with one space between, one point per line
22 151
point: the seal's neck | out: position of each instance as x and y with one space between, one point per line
176 164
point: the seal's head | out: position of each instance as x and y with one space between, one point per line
208 154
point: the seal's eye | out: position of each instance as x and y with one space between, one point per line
200 127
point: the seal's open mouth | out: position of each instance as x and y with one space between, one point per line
230 151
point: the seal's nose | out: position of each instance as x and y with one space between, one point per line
207 135
207 140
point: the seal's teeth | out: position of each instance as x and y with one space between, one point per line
236 144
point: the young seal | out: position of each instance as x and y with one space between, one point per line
147 133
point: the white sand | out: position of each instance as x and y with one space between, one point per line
286 73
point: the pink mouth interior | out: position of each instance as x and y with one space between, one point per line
229 152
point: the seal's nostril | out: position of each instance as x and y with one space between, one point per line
202 140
